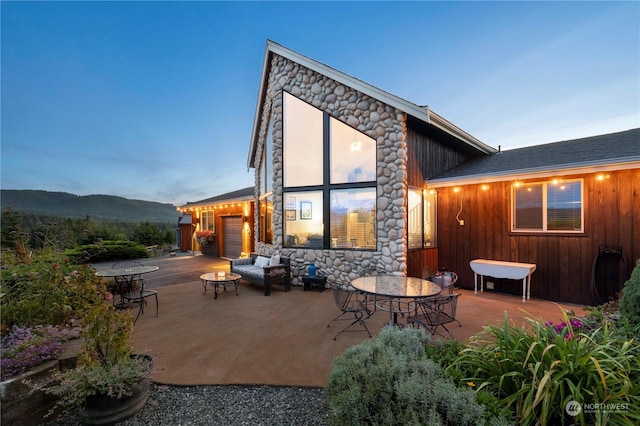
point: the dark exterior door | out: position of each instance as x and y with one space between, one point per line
231 237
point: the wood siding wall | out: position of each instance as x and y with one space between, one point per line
426 157
564 262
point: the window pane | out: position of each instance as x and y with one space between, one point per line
564 206
303 221
207 223
429 218
528 207
414 231
302 150
266 220
353 218
353 154
267 163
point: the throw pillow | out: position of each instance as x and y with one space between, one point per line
262 261
275 260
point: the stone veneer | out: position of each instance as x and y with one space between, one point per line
385 124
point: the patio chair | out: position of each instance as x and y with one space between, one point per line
131 288
349 301
139 296
436 312
124 284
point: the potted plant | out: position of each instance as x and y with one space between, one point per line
109 383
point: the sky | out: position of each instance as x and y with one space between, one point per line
156 100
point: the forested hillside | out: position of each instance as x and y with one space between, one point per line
104 208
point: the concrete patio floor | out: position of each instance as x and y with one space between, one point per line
282 339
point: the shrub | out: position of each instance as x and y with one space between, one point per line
537 373
46 288
106 251
389 380
630 301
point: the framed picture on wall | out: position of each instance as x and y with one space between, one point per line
290 202
290 214
305 210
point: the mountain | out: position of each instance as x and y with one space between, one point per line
105 208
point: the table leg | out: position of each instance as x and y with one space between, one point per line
529 286
215 290
204 286
524 289
475 283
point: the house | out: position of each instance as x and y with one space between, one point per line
219 226
554 205
349 176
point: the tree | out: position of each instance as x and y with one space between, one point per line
148 234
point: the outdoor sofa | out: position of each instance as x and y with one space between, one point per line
264 271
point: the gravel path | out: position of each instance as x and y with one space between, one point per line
227 405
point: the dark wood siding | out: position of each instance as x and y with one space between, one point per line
426 157
564 262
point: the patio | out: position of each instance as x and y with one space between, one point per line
281 339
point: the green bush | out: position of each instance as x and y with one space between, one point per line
44 289
389 380
630 301
536 373
107 251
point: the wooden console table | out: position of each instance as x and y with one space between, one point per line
502 269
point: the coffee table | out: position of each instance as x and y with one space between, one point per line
217 279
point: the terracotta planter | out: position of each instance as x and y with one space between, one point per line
102 409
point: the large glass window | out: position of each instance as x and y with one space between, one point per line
329 181
548 207
353 218
302 143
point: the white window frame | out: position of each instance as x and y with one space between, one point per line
544 229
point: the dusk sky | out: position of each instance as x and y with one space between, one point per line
156 100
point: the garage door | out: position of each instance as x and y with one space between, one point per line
231 237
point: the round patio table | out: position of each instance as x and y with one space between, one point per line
394 288
217 279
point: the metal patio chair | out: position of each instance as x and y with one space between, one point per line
350 302
132 288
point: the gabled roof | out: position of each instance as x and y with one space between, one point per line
422 113
613 151
244 194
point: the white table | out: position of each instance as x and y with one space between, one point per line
502 269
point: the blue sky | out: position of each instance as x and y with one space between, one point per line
156 100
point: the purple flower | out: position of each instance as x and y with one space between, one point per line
575 323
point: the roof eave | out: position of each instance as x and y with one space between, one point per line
537 172
419 112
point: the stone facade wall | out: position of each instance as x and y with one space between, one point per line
385 124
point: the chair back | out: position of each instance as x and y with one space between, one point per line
342 298
445 280
126 264
372 272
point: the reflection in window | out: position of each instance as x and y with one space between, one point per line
353 154
302 143
429 227
414 225
353 218
548 207
564 206
266 219
303 219
421 223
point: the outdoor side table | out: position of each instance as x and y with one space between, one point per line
317 281
217 279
